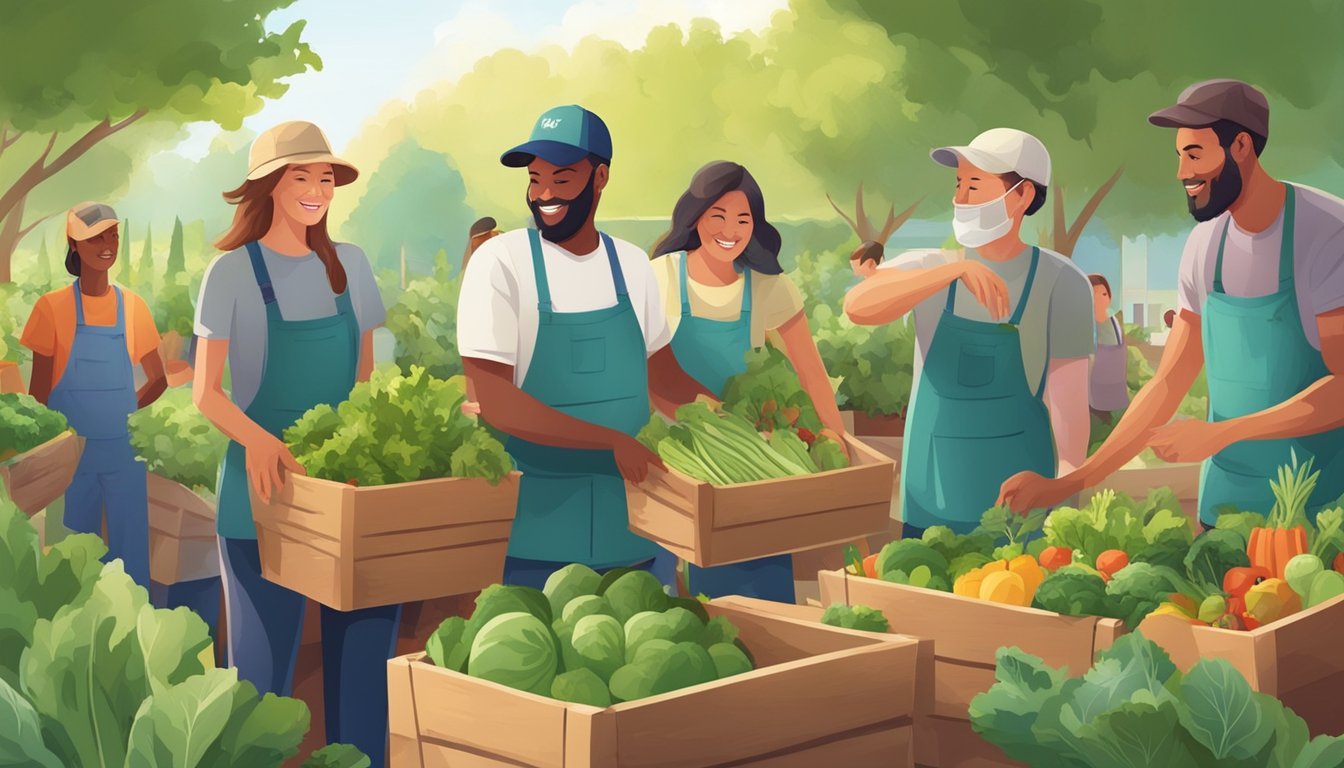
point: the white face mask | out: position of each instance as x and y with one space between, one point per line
977 225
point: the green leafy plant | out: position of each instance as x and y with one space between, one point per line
875 365
859 617
424 324
397 428
768 394
1134 709
176 441
26 424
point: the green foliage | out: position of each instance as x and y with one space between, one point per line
516 650
337 756
859 617
769 395
1115 521
875 364
424 323
1134 708
176 441
177 256
1212 555
397 428
25 424
1138 588
1073 591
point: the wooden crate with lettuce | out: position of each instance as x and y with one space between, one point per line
38 452
406 498
609 672
758 476
182 451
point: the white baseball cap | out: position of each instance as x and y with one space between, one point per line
1001 150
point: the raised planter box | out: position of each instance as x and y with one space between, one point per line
714 525
1296 660
350 548
182 541
820 696
966 635
39 476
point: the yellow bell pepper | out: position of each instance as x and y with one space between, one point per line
1271 600
1026 567
968 583
1004 587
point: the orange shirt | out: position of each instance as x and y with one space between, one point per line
51 327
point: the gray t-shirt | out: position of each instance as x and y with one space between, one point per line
1060 306
230 305
1251 261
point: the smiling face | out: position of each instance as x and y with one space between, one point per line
977 187
1208 172
563 198
99 252
725 229
304 192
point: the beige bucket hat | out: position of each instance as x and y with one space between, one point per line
295 143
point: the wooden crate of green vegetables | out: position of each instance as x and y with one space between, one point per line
609 672
401 485
731 494
38 452
182 451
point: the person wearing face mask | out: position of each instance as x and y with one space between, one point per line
1004 334
719 274
1108 381
564 339
1260 307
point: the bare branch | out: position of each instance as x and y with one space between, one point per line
843 215
865 228
897 220
1076 230
84 143
36 223
51 142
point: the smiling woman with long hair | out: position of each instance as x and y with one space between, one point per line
723 289
292 314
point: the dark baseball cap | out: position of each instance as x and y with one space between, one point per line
1204 104
563 136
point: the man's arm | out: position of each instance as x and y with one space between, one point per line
156 382
1066 399
893 293
1314 409
39 383
669 385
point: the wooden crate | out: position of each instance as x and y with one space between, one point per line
182 542
714 525
1182 479
808 563
821 697
350 548
39 476
1296 660
966 635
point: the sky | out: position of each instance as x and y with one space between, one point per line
415 43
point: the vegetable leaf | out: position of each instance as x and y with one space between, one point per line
1222 712
177 726
20 733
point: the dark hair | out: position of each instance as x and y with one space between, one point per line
72 259
1099 280
1227 133
252 219
708 185
1012 178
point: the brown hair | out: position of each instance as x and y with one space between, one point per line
252 219
1099 280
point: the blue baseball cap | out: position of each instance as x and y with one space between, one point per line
563 136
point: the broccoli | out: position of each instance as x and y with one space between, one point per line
1073 592
1135 590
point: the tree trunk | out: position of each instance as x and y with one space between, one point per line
1066 237
11 231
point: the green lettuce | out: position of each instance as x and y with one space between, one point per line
176 441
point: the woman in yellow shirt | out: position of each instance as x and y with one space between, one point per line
723 288
86 340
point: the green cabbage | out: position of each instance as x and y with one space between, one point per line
728 660
516 650
581 686
585 605
600 644
568 583
635 592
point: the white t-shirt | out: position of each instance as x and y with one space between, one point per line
1251 261
497 311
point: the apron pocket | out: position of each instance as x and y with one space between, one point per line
589 355
976 364
966 473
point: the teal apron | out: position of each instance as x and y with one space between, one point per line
591 366
1258 356
96 394
308 363
974 422
713 351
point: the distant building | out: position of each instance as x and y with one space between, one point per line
1134 278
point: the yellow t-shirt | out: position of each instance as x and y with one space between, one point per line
51 327
774 298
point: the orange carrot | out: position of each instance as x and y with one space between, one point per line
870 566
1253 547
1111 561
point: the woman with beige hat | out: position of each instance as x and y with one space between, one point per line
292 313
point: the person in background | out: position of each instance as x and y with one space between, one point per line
1001 373
719 275
482 230
86 340
866 259
1108 385
1261 310
292 314
1169 318
563 339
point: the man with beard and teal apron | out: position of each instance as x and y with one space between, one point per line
1261 304
562 335
1004 333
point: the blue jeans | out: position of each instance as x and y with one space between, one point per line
201 596
265 624
769 578
110 480
533 573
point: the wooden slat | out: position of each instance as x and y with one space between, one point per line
956 683
403 734
794 534
307 503
176 510
590 738
173 560
425 575
37 477
944 743
889 747
655 515
489 719
299 535
438 539
432 503
866 482
299 566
